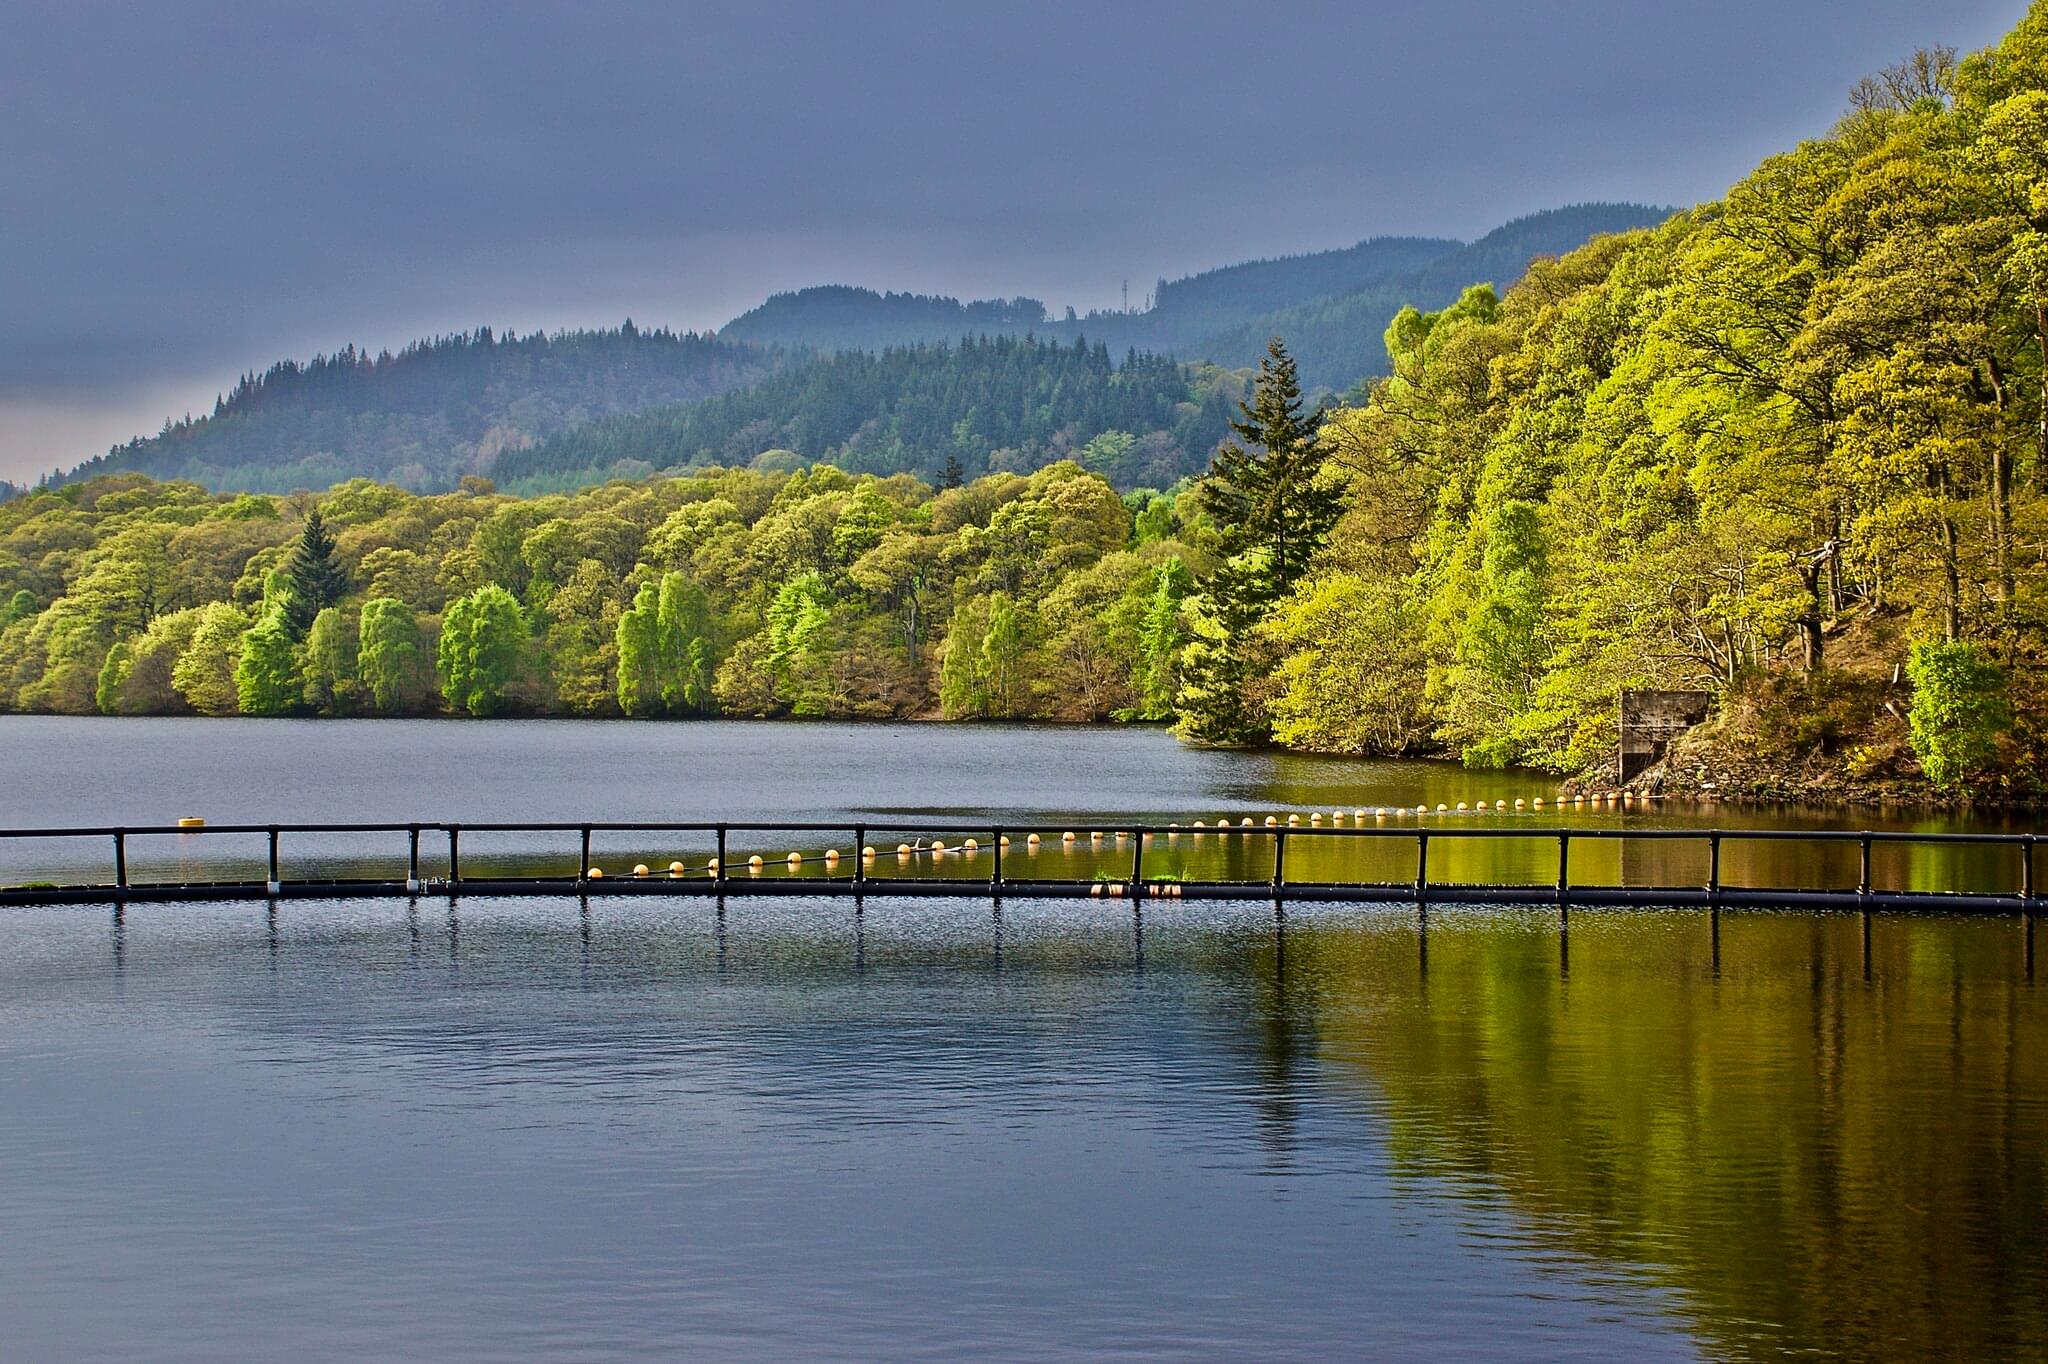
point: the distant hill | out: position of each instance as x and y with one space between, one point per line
434 411
1338 339
998 403
516 407
842 317
1331 306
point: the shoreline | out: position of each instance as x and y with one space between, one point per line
1715 779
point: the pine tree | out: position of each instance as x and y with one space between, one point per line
1274 509
1273 497
954 474
318 581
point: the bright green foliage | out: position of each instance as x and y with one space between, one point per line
666 657
205 672
962 692
1002 655
482 651
684 630
1732 445
114 674
20 606
267 676
798 618
1162 634
142 683
639 649
1351 680
1960 708
391 657
1224 665
329 662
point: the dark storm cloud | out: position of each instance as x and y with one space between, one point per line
195 189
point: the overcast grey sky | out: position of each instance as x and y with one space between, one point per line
194 189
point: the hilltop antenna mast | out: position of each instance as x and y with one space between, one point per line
1127 295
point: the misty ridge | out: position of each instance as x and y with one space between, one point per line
547 411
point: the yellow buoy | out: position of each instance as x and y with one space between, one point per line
675 869
938 848
191 822
1316 817
1293 820
1462 807
712 866
1539 802
1442 808
796 859
594 874
1095 836
1067 837
867 852
1379 816
1336 816
1031 841
1518 803
1200 825
971 846
1272 822
1502 805
831 856
1246 822
754 862
639 869
903 850
1422 809
1004 840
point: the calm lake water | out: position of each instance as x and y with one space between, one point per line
524 1129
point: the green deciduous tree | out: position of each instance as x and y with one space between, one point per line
482 654
391 657
268 680
205 672
1960 708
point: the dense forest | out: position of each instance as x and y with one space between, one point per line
427 415
1790 448
1000 404
740 591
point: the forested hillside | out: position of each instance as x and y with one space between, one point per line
431 413
1001 404
1331 305
1790 447
1336 338
832 317
476 403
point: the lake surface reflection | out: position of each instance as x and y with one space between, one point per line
524 1129
531 1128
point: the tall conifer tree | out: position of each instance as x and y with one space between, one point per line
318 580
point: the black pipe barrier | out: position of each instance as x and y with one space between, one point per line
717 878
